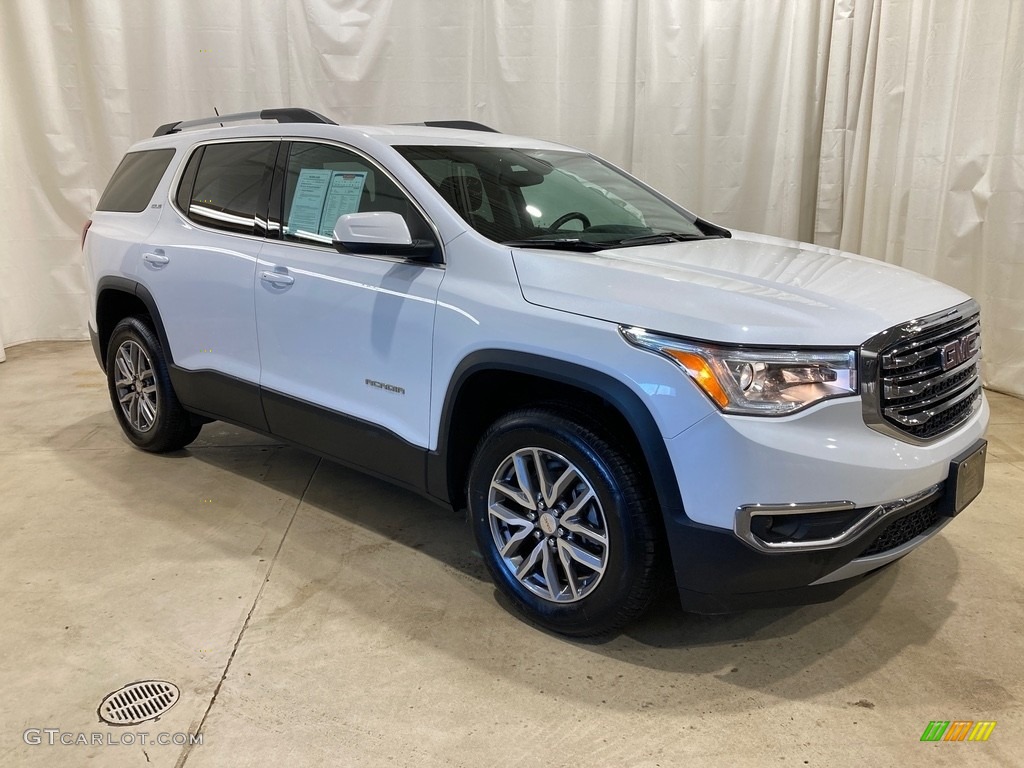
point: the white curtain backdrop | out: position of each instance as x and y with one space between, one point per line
890 127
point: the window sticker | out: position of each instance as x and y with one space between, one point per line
308 202
321 196
343 195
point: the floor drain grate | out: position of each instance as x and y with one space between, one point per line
138 702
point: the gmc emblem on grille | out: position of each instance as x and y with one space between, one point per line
958 352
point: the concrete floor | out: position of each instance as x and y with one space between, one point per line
312 616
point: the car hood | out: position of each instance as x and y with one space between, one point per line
751 289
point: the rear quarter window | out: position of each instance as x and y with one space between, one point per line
132 186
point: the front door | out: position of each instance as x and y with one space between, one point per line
345 339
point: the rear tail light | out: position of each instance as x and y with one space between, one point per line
85 231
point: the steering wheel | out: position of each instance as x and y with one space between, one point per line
565 218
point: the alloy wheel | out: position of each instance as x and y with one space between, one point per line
135 384
548 525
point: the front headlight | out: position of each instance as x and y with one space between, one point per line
757 382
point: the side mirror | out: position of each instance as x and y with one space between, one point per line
379 232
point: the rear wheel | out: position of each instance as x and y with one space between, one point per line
564 522
140 390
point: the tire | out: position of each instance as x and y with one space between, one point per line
140 390
581 557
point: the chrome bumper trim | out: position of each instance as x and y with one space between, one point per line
868 520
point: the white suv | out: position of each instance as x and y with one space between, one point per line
621 393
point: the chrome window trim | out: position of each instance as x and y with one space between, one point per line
871 363
172 196
871 518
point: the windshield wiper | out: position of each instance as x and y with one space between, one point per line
589 246
559 243
662 237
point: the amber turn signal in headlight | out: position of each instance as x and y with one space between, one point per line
700 371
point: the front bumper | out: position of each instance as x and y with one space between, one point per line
724 464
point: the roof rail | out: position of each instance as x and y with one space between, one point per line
282 115
465 125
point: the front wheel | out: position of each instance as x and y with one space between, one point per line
140 390
564 522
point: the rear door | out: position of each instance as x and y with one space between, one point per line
200 265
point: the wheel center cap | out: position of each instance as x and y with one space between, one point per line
548 523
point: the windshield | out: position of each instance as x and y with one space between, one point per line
552 199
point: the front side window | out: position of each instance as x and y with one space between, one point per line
323 182
226 185
551 198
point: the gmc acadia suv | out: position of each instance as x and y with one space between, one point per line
619 392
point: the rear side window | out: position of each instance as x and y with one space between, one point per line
135 180
230 185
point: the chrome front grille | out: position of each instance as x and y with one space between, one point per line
922 379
